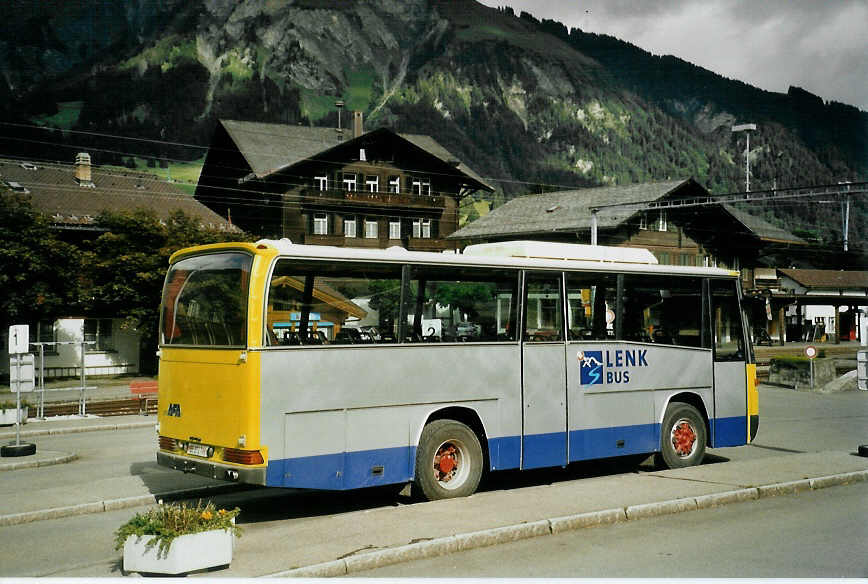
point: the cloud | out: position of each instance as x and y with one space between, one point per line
772 44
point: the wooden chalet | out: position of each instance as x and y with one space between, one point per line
336 187
717 235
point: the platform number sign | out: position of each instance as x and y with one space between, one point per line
19 338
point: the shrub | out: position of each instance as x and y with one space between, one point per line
165 522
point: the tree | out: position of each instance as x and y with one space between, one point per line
127 265
39 274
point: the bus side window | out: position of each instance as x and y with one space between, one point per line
591 306
663 309
318 303
543 319
726 322
461 304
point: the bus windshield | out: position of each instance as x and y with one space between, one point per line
205 301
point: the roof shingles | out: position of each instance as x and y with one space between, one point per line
54 191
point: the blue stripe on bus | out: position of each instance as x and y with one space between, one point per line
729 431
505 452
615 441
353 470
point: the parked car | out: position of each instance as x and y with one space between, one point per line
468 330
352 336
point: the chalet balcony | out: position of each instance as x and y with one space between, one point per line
410 243
379 199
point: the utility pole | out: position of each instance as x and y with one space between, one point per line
845 215
747 128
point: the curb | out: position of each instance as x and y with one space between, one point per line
113 504
79 429
488 537
60 459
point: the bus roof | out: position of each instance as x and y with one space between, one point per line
517 254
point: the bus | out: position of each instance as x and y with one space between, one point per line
337 368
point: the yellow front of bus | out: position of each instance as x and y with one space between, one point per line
209 400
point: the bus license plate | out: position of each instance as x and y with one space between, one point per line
197 450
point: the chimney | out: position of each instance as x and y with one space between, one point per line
82 169
358 124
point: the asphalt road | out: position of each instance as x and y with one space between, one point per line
819 534
115 461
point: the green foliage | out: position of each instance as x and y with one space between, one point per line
385 298
167 521
125 266
466 296
39 275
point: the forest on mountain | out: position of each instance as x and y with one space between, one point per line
529 104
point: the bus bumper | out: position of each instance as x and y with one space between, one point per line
213 470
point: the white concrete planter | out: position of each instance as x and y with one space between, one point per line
187 553
9 417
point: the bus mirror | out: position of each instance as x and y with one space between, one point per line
664 294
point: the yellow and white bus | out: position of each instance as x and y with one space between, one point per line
336 368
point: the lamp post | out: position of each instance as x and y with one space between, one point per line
746 128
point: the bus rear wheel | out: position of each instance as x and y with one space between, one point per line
682 436
448 461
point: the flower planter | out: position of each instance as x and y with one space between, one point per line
187 553
9 416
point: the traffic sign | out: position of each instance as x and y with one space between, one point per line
810 351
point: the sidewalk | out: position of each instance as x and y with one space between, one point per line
342 544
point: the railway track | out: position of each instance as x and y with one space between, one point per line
113 407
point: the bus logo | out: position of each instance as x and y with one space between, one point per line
174 410
591 367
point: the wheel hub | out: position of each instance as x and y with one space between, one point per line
446 463
683 438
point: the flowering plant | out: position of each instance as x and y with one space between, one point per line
165 522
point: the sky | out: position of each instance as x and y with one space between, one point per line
818 45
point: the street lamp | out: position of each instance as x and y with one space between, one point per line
746 128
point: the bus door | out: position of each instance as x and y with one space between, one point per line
544 384
729 425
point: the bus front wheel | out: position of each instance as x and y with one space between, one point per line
682 436
448 461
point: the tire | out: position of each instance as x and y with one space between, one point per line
448 461
682 436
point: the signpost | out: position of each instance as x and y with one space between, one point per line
811 354
20 379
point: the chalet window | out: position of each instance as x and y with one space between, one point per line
349 181
422 228
662 224
372 183
643 221
98 335
322 182
320 224
370 229
349 227
394 229
394 184
422 186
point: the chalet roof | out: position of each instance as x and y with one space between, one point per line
54 190
763 229
836 279
567 210
570 211
269 148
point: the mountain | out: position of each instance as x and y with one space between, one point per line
529 104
